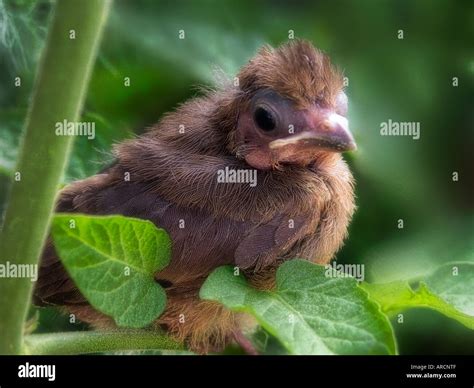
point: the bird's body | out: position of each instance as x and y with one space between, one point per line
300 206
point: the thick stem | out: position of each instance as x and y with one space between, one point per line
61 84
97 342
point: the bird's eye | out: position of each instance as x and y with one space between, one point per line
264 119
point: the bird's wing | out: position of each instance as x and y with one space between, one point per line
201 242
264 243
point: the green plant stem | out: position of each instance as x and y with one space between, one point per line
59 93
97 342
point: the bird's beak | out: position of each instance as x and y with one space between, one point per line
327 131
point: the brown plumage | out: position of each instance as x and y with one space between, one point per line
286 120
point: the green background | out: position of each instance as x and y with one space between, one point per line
408 79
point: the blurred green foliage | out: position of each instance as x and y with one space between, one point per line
408 79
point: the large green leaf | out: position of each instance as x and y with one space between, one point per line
112 260
310 312
448 290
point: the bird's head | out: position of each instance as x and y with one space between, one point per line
292 109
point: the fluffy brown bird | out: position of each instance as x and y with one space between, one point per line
286 120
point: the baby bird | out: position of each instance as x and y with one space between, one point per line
285 121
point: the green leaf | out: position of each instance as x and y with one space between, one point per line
310 312
112 260
448 290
